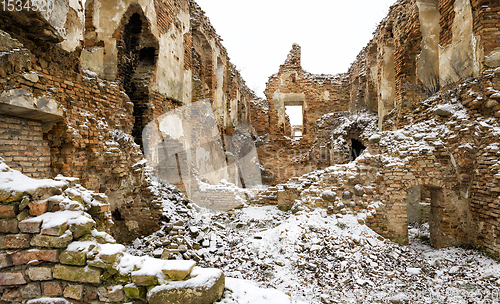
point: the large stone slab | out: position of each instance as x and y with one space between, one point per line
204 286
77 274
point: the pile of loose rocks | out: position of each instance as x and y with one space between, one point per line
54 248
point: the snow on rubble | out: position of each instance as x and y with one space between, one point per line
316 258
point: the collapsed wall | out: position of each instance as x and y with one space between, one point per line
54 248
433 159
79 84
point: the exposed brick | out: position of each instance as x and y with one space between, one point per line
73 291
30 226
41 273
38 208
30 291
8 226
35 255
15 241
7 211
53 288
12 278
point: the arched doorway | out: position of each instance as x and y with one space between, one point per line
137 56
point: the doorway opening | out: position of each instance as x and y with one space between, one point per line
423 216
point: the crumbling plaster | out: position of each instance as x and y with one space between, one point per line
461 58
171 79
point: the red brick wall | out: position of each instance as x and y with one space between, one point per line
486 15
23 147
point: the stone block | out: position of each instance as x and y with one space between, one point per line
73 292
77 274
12 278
31 291
56 230
30 226
15 241
11 295
144 280
52 289
76 258
38 208
4 195
90 294
134 292
82 229
7 212
8 226
5 260
111 294
186 293
42 273
178 270
35 255
51 241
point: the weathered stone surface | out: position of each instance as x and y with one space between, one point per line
8 226
15 241
134 292
56 230
30 226
38 208
111 294
53 288
80 230
144 280
7 212
179 270
12 278
76 258
4 195
185 293
347 195
90 293
328 196
30 291
51 241
42 273
33 255
12 295
73 291
77 274
5 260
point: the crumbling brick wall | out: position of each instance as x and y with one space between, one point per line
98 137
23 146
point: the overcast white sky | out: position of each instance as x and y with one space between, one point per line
258 34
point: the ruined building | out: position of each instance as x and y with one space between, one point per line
79 84
440 151
410 131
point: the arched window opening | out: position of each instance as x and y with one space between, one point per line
137 56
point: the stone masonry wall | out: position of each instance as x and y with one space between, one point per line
54 248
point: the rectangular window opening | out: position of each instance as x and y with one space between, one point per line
295 114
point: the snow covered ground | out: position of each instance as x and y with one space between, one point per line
315 258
